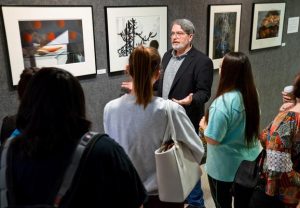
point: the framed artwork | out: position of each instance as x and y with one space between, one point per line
267 25
50 36
128 27
224 31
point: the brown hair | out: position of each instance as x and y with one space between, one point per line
143 64
236 74
296 90
25 77
51 115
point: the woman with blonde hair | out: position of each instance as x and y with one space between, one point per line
138 121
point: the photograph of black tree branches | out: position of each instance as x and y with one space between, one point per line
132 37
135 26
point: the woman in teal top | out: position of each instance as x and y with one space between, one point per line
231 128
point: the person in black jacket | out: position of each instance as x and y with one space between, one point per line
186 74
9 122
186 78
51 120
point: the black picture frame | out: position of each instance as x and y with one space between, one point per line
129 26
224 31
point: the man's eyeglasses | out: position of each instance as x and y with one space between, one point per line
177 34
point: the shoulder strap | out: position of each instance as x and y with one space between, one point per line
260 161
170 124
73 166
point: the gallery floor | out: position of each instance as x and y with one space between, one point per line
209 203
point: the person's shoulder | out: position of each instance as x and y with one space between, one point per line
201 58
10 119
158 105
105 148
162 105
233 98
231 95
286 106
218 101
115 102
158 100
199 53
105 143
168 53
174 107
8 126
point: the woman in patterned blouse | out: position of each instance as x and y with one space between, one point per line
282 164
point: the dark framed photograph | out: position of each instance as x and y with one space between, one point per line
128 27
267 25
50 36
224 31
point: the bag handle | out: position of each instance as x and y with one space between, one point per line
260 162
170 124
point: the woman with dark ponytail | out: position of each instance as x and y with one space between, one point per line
138 122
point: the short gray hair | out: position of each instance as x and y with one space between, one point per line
186 25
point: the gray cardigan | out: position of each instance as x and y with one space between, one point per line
140 132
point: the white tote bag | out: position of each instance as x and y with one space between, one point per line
176 168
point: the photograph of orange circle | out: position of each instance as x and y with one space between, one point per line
50 36
51 42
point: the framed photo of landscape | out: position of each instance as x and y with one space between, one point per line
50 36
128 27
224 31
267 25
